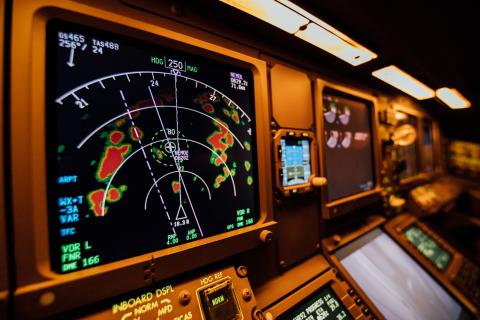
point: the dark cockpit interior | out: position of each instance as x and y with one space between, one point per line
239 159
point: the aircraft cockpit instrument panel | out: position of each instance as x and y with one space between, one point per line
150 145
161 163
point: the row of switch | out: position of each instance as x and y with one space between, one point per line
360 304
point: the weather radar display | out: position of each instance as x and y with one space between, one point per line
148 147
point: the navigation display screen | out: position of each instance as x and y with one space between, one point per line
394 282
348 150
323 305
148 147
296 167
428 247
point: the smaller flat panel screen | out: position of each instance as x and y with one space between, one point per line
394 282
348 146
296 163
428 247
409 153
323 305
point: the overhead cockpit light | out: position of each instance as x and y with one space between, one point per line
272 12
327 40
404 82
289 17
452 98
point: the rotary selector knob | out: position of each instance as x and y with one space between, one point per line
318 182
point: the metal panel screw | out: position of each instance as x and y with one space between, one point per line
184 297
246 295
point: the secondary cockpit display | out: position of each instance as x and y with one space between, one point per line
349 145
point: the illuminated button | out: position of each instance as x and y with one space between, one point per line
351 291
365 311
358 301
220 303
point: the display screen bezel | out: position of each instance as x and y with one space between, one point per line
347 204
28 136
299 139
52 119
366 237
370 110
327 277
300 135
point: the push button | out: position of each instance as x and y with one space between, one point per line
366 311
220 303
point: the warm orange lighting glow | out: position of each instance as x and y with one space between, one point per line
452 98
404 82
272 12
330 42
399 116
